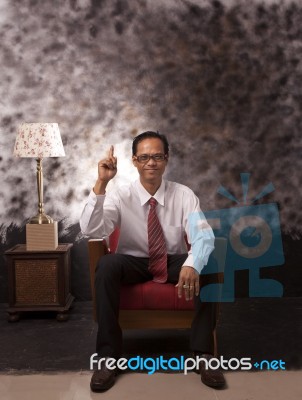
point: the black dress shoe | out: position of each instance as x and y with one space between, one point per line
102 379
211 377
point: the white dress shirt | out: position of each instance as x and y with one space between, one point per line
127 208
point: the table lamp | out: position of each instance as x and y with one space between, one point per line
39 140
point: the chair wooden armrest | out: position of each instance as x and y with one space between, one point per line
96 249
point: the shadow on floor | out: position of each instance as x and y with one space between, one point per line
257 328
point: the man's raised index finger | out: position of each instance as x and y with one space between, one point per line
111 151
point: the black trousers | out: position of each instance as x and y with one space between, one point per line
113 270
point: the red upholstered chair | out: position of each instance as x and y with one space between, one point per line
149 304
143 305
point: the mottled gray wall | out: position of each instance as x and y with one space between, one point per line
221 78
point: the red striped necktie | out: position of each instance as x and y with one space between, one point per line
157 246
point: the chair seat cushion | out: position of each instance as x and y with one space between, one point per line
153 296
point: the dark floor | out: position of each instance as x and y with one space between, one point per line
257 328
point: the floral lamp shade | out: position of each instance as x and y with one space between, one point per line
39 140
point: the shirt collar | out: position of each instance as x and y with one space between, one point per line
145 196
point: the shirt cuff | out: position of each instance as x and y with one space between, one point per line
95 198
190 263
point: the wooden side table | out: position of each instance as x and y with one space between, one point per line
39 280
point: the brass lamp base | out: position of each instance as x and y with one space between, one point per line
41 218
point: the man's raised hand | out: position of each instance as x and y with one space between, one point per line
107 169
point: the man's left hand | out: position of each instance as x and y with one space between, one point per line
188 282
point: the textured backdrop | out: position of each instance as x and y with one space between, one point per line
222 79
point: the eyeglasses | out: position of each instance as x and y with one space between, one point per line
143 158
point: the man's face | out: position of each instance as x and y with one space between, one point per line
150 171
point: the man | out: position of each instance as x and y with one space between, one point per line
152 215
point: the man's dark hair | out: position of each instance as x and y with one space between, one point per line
148 135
